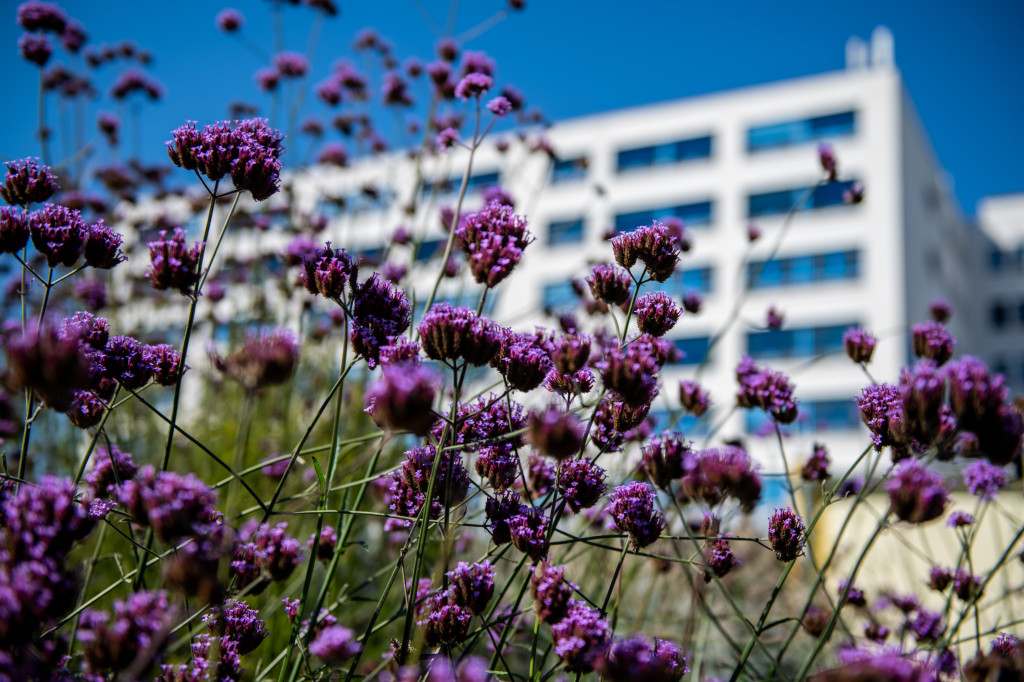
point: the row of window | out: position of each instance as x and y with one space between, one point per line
813 416
800 342
1002 314
560 296
759 138
806 269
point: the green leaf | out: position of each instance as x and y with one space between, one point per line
321 479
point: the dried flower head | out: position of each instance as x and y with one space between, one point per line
27 181
786 534
265 359
633 509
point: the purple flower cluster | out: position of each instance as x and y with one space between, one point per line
632 508
49 362
247 150
884 664
916 494
551 592
451 333
380 312
499 509
631 371
666 458
409 485
718 558
693 397
610 283
133 637
581 483
58 233
638 658
978 401
523 360
326 271
174 506
528 530
786 533
859 344
655 246
771 391
111 468
877 402
716 474
472 586
27 181
656 313
264 554
239 623
555 432
816 467
580 638
933 341
174 264
984 480
493 240
403 398
266 359
334 645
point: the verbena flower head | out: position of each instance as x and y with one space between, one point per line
472 586
922 392
445 621
581 637
827 157
165 362
640 658
175 265
410 483
859 344
229 20
85 411
959 518
523 360
632 371
610 283
926 625
27 181
58 233
323 546
718 559
14 229
551 592
48 361
499 106
265 553
174 506
380 312
456 333
941 310
499 509
473 85
633 509
529 529
655 246
335 645
939 578
249 151
265 359
878 404
693 397
974 393
916 494
493 240
326 271
111 468
721 473
774 319
693 302
581 483
666 458
555 432
135 634
932 340
786 534
570 352
42 16
43 522
886 664
127 361
816 467
403 398
447 139
239 623
984 480
102 247
656 313
767 389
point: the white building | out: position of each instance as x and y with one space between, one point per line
721 162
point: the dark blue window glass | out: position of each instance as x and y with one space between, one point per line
813 416
430 247
692 215
691 279
787 133
565 232
770 203
568 170
664 154
780 202
693 350
687 424
796 343
477 182
558 296
803 269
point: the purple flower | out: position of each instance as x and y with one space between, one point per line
174 506
452 333
922 389
447 49
102 247
239 623
477 62
773 319
656 313
499 509
493 240
334 154
940 310
126 361
499 106
551 592
767 389
14 229
753 233
174 264
267 359
473 85
134 636
409 485
959 518
881 664
632 508
58 233
523 361
638 658
859 344
939 578
854 195
402 399
932 340
667 458
445 622
581 483
166 364
291 64
632 371
581 637
324 544
984 480
42 16
718 558
447 139
816 467
655 246
49 362
111 468
915 493
717 474
879 405
610 283
229 20
472 586
693 397
380 312
926 625
334 645
555 433
267 79
326 271
43 522
786 533
827 157
265 554
35 48
134 80
529 529
86 410
692 302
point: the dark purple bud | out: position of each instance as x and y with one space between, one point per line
581 483
633 509
786 534
656 313
859 344
14 229
693 398
555 433
402 399
916 494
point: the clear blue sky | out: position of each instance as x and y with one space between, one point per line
962 62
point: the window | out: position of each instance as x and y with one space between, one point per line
685 423
693 350
796 343
429 248
475 183
995 259
788 133
780 202
664 154
692 215
569 170
558 296
565 232
998 315
689 279
813 416
798 270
